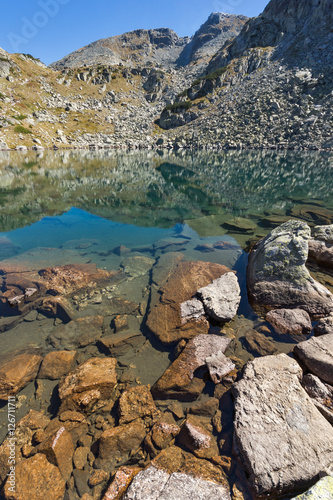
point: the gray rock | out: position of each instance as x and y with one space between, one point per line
156 484
324 326
219 366
317 355
277 276
191 309
221 298
293 321
321 394
278 429
322 490
323 233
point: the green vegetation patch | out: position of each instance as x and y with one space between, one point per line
20 117
184 105
211 76
22 130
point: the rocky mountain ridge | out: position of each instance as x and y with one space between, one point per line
239 83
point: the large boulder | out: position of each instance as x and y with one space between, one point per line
90 386
164 318
317 354
324 326
278 429
177 380
277 276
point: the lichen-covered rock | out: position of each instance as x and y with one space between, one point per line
89 386
278 429
322 490
176 380
277 276
219 366
221 298
292 321
120 483
317 355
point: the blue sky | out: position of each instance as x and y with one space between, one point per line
51 29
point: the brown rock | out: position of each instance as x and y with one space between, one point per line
120 483
177 409
98 477
89 386
164 318
116 444
17 372
321 394
58 307
163 433
56 364
176 380
78 333
293 321
197 438
63 280
34 477
321 252
59 450
135 403
80 457
258 344
205 408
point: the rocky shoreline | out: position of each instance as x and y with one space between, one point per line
209 427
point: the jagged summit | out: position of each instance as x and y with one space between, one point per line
157 46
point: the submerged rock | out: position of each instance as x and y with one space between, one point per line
221 298
176 382
277 276
317 355
293 321
278 429
89 386
164 318
78 333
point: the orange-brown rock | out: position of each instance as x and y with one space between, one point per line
98 477
135 403
177 379
58 307
162 435
117 443
120 343
59 449
197 438
120 483
164 318
80 457
63 280
56 364
78 333
17 372
35 478
90 386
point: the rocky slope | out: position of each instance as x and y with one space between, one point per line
258 83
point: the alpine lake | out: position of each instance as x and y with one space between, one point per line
125 212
